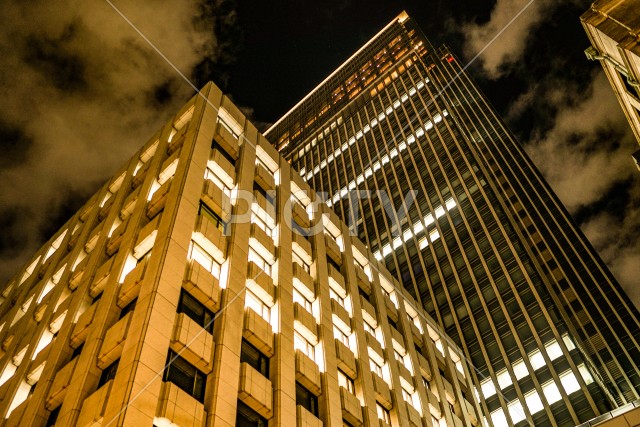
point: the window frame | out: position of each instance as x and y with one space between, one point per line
199 379
306 399
205 319
257 360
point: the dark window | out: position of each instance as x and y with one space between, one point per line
96 298
196 311
363 294
128 308
109 373
77 351
306 399
247 417
254 358
392 322
330 261
216 146
53 417
188 378
215 219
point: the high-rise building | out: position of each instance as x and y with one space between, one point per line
613 27
180 296
409 152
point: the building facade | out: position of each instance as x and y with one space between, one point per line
180 296
407 150
613 27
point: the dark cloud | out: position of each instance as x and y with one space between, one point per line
15 144
80 92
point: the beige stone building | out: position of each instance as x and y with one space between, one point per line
180 296
613 27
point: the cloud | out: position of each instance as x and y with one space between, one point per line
585 157
81 91
618 243
511 23
587 150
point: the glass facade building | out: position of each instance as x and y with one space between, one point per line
408 151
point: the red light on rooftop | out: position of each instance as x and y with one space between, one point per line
450 58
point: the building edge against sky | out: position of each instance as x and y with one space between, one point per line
180 294
613 27
483 243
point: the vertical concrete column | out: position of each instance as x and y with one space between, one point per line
364 382
222 384
330 400
283 375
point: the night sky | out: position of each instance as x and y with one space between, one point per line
82 91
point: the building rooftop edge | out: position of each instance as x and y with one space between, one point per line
403 16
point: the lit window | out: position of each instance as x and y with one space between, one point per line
48 287
46 338
383 413
386 250
504 379
346 382
553 350
369 328
551 392
434 235
301 343
534 404
423 243
407 396
257 305
334 295
586 376
498 418
8 372
520 369
568 342
488 389
229 129
516 411
202 257
296 258
300 299
259 261
569 382
255 219
341 336
375 368
211 176
537 360
438 344
450 204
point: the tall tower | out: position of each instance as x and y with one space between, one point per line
205 284
409 152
